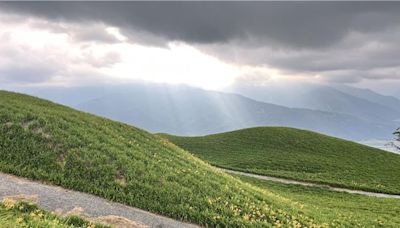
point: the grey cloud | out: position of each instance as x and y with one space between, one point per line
21 65
341 41
78 31
94 33
356 76
106 60
25 65
358 56
26 74
289 24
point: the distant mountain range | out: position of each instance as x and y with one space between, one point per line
361 103
183 110
369 95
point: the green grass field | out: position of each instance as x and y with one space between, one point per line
298 154
23 214
55 144
335 208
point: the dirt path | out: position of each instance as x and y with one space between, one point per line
64 201
288 181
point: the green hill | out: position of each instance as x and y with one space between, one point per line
338 209
299 154
55 144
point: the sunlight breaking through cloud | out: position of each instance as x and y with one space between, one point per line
78 61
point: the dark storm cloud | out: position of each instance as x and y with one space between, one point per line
289 24
338 41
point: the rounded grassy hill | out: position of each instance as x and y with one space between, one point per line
298 154
55 144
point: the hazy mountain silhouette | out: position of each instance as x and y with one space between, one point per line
360 103
184 110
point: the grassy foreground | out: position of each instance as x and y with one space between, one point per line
335 208
299 154
49 142
23 214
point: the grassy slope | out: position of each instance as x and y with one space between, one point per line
334 207
299 154
56 144
23 214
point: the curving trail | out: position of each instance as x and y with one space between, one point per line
64 201
304 183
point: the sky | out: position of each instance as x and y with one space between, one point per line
211 45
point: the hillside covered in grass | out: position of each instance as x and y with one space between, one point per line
55 144
337 208
299 154
25 214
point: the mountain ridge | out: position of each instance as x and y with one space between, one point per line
184 110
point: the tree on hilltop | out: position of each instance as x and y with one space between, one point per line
396 143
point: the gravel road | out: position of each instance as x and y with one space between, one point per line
64 201
288 181
60 200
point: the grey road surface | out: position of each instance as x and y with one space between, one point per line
288 181
55 198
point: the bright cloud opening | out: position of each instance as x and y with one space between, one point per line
79 61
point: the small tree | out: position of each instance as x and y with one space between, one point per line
396 143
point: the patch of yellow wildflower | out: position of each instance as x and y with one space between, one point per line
37 214
19 220
9 203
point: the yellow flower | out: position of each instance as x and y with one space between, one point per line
8 203
91 225
19 220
